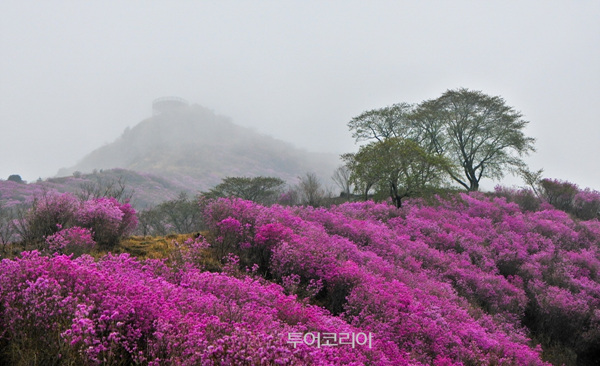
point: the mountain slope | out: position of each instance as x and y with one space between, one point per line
146 190
194 142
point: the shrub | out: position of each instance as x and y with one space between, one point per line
75 240
48 214
559 194
456 283
179 216
365 260
586 204
525 198
7 229
108 219
56 310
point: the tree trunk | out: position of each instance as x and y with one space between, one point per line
474 186
396 198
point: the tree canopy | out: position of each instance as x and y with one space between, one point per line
395 165
383 123
479 134
258 189
15 178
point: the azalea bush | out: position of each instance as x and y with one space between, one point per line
563 195
123 311
107 219
559 193
468 279
75 240
48 214
480 259
586 204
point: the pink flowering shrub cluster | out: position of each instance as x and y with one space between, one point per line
566 196
75 240
466 280
586 204
123 311
48 213
470 280
106 218
559 194
375 278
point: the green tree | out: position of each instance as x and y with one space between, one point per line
480 134
15 178
258 189
397 166
182 215
364 173
381 124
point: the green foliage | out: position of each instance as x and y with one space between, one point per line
479 134
181 215
15 178
381 124
263 190
558 193
395 165
364 174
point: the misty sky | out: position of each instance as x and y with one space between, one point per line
75 74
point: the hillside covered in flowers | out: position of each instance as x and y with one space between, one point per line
469 279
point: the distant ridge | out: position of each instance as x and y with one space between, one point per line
146 190
192 141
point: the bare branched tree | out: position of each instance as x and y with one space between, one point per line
7 229
341 177
310 190
103 187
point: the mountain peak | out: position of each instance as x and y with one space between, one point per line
183 139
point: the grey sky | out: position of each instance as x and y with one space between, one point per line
74 74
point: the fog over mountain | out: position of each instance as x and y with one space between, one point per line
191 140
77 73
